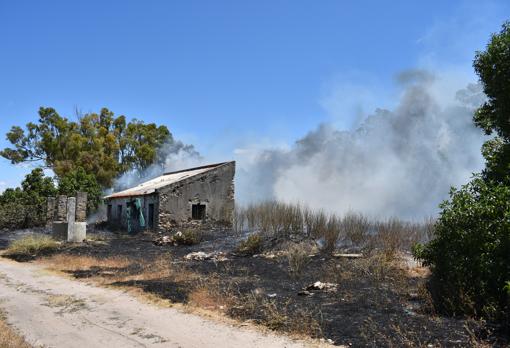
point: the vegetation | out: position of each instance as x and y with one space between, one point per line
252 245
493 68
469 254
279 222
10 338
298 256
189 236
25 206
101 144
85 155
78 180
31 246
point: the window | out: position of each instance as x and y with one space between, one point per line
198 211
119 212
109 212
151 215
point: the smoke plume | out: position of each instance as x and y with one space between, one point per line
398 162
173 155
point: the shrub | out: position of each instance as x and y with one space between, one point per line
251 246
297 256
238 220
356 228
31 246
331 234
390 235
189 236
468 255
318 225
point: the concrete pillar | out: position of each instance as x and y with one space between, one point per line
61 215
50 211
81 207
71 216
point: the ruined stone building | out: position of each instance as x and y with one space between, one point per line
177 198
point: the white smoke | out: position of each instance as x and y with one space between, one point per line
398 162
173 155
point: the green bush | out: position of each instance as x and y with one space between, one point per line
252 245
188 236
470 254
25 206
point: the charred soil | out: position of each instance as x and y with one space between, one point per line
373 301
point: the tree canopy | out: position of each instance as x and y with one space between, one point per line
25 206
102 144
468 255
493 68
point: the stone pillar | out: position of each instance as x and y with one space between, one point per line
50 211
61 215
81 207
71 208
60 221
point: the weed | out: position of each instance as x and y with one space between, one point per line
356 228
8 337
251 246
297 256
239 220
31 246
189 236
331 233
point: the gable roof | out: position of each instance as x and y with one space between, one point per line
149 187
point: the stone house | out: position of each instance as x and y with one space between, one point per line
200 194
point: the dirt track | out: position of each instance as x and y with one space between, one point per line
57 312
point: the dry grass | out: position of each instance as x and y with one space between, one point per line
298 257
239 220
257 308
63 262
356 228
277 220
209 295
115 271
10 338
31 246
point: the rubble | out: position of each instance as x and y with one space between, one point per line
305 293
348 256
320 286
201 256
272 255
163 240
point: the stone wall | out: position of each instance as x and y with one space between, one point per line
50 211
81 207
61 213
213 188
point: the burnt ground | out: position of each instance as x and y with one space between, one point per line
376 302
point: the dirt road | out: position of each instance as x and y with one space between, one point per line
53 311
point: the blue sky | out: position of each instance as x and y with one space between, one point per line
224 75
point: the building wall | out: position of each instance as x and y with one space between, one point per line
120 222
173 203
214 189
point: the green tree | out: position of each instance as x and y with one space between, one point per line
79 180
102 144
25 206
493 68
469 254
